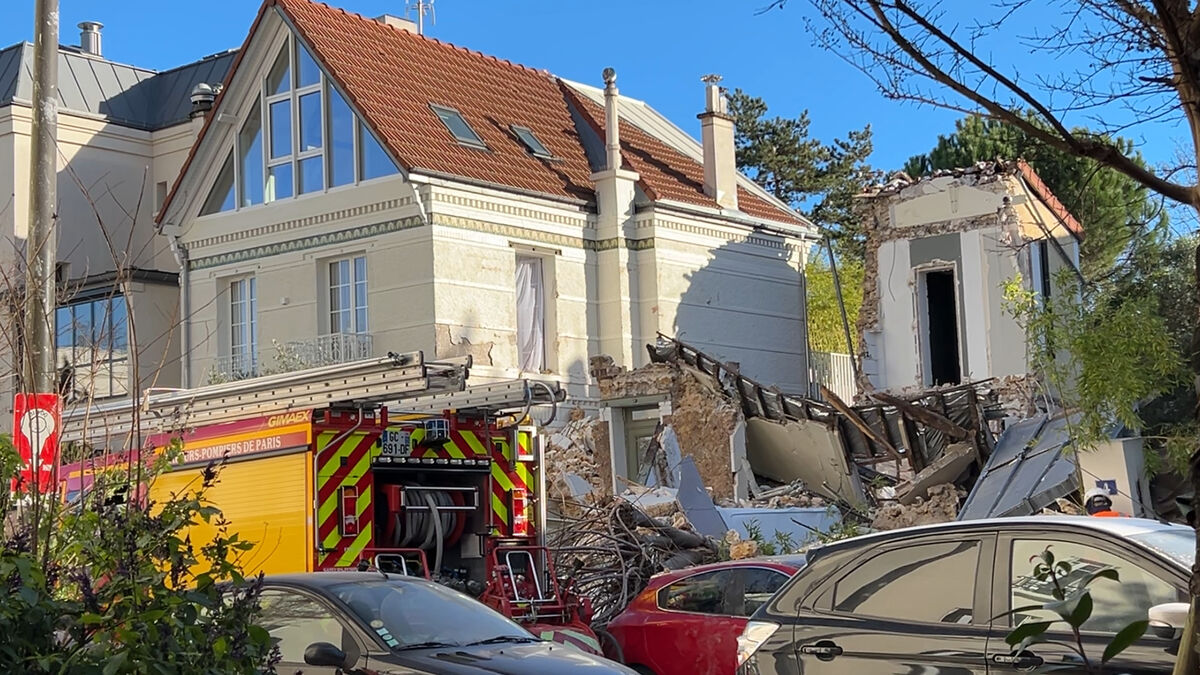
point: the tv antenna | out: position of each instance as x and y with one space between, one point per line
422 7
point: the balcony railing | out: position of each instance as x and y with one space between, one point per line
286 357
325 350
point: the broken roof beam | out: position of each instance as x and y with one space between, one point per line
853 417
925 416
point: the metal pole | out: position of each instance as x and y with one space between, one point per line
837 289
40 244
41 241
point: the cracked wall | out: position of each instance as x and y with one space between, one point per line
454 341
703 420
973 224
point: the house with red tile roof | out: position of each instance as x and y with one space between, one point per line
358 188
939 253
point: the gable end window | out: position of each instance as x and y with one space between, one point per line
299 137
457 125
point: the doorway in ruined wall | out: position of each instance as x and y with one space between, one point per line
640 425
937 310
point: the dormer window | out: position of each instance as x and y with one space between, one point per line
531 142
457 125
298 137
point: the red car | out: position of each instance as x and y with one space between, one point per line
687 622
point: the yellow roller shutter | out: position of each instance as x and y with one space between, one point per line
265 500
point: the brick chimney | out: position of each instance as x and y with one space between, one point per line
716 131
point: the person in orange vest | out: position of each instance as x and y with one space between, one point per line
1098 504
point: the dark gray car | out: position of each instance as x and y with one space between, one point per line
936 599
366 622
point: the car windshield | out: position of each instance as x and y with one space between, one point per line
416 613
1177 543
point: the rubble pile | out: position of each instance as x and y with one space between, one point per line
577 457
612 548
740 549
792 495
940 507
700 417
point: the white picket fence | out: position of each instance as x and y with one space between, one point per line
835 371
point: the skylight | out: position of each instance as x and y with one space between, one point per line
458 126
531 142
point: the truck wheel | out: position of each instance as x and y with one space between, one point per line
642 670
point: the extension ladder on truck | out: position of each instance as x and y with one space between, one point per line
366 382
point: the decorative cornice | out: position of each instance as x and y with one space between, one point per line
510 231
306 221
457 222
491 206
620 242
747 238
327 239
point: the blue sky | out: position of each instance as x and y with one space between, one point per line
660 49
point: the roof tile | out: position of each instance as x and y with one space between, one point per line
392 76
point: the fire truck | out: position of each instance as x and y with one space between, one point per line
392 464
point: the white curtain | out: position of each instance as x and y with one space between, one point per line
531 314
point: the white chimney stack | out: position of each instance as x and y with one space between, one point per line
720 159
89 37
612 117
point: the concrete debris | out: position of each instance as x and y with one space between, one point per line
1062 507
740 549
940 507
806 451
697 504
702 421
580 450
947 469
792 495
657 502
871 434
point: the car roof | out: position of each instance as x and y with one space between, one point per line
1120 527
325 579
793 562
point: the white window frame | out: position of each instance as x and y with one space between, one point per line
333 280
244 317
94 354
324 87
544 277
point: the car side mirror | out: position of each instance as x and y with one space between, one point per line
1168 619
324 654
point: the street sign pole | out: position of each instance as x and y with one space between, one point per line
41 255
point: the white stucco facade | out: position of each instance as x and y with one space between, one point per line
437 258
107 192
440 278
938 260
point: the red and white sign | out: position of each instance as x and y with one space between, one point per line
37 419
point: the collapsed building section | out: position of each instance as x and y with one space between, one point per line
747 441
940 251
688 459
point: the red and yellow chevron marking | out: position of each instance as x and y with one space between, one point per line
507 474
457 448
347 465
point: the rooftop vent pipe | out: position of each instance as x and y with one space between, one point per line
89 37
202 97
